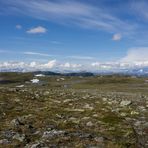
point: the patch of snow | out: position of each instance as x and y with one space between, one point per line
20 86
60 79
35 80
40 75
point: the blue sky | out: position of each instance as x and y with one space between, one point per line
73 33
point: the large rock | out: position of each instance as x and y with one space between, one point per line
125 103
19 137
4 141
50 134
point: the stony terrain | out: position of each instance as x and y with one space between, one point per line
73 112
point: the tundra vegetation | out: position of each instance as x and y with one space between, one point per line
73 111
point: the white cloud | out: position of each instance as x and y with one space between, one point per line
95 64
50 64
33 64
18 26
139 54
37 30
104 66
42 66
70 66
117 37
24 66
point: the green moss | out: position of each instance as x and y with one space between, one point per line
112 119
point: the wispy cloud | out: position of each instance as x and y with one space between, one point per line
80 57
117 37
6 51
56 42
2 51
37 30
18 26
70 12
139 8
37 53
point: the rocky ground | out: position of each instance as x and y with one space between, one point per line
74 112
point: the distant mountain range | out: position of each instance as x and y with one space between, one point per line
134 71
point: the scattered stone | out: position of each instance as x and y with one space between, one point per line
142 108
67 100
8 134
87 106
89 124
46 93
15 123
123 114
38 145
74 110
134 113
86 135
99 139
125 103
50 134
91 118
20 86
56 101
4 141
17 100
85 118
104 99
20 137
74 120
95 115
138 123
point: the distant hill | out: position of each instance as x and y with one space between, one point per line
49 73
83 74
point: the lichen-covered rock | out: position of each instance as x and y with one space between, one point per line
20 137
4 141
50 134
125 103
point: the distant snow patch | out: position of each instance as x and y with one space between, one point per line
20 86
39 75
35 81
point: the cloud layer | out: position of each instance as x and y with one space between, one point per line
54 65
135 58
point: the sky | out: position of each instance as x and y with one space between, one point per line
73 34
